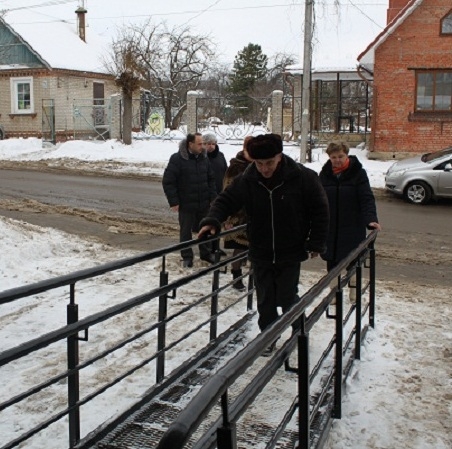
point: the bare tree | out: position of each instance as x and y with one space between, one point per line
277 65
172 62
123 64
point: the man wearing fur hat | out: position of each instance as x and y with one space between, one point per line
189 186
287 221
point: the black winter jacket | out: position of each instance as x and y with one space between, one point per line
352 208
219 167
283 222
188 180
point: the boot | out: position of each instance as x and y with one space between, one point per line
238 285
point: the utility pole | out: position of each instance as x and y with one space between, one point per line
306 87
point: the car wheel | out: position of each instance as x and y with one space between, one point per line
418 192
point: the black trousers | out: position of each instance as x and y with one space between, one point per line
276 286
189 224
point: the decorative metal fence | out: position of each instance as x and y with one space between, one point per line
233 118
148 121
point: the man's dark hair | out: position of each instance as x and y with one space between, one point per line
191 137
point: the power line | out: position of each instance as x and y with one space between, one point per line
41 5
355 5
197 11
203 11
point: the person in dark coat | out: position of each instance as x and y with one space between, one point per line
352 204
238 242
216 158
287 220
189 185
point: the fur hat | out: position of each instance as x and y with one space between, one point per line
209 138
265 146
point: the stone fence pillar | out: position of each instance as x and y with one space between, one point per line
192 118
115 117
277 112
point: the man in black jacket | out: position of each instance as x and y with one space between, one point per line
189 186
287 218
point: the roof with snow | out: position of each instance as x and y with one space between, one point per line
326 73
367 57
57 43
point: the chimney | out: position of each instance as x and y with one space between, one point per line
81 24
395 6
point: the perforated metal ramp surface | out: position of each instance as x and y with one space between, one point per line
144 428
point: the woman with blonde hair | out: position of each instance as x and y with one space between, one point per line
351 202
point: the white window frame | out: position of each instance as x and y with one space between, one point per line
14 82
446 24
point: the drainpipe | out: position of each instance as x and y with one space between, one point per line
361 70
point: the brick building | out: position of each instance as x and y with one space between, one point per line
53 82
410 62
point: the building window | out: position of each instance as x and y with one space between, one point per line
446 24
22 96
434 91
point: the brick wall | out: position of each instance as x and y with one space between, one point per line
416 43
395 6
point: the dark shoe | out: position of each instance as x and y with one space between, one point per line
222 253
269 351
208 258
238 285
187 263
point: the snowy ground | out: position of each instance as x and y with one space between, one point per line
145 157
398 396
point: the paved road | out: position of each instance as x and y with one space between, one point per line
416 242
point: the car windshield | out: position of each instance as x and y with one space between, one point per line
432 156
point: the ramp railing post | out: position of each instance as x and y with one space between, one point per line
372 285
215 285
73 378
358 318
227 433
337 410
304 406
161 334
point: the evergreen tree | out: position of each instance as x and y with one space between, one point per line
250 66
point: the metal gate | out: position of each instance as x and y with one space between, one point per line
48 121
92 118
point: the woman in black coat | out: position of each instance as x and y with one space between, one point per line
351 202
216 159
238 241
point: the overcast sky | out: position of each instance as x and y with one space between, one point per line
277 25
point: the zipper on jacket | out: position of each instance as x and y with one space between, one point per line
270 192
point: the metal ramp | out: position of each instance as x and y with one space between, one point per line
143 426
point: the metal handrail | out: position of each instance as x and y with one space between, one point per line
76 326
12 294
191 417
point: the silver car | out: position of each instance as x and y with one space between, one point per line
421 178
